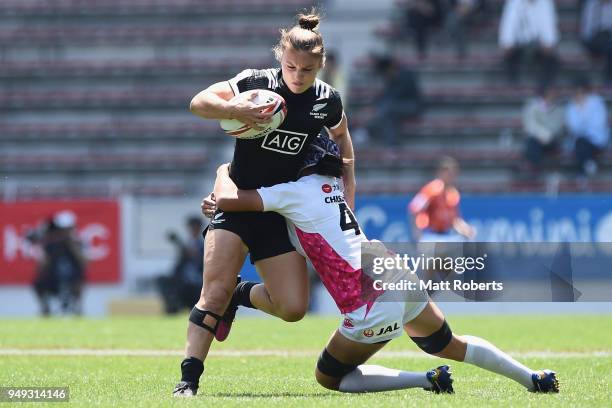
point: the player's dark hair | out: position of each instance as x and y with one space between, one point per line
304 36
328 166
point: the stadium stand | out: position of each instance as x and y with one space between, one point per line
83 8
95 98
96 94
472 113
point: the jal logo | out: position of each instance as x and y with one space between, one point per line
368 332
326 188
284 141
388 329
348 323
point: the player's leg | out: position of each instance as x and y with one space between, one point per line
363 332
432 334
283 293
285 289
224 254
341 368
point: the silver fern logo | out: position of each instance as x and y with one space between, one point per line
316 111
319 106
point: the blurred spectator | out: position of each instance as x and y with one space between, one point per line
182 288
400 99
543 125
421 17
333 74
435 208
435 217
529 27
461 14
587 123
61 270
596 32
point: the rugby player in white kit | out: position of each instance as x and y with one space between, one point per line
323 228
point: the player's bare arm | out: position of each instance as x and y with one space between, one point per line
228 197
342 137
463 228
214 103
416 231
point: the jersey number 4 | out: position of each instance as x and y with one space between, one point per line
347 219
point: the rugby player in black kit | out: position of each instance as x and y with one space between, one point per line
312 105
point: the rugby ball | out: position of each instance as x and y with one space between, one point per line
238 129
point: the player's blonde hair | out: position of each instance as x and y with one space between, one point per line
304 36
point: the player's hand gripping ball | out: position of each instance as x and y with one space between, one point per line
271 102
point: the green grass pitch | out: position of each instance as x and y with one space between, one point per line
567 344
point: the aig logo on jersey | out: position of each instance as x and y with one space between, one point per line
284 141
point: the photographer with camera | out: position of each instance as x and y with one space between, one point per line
61 269
182 288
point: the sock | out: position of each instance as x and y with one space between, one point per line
242 293
191 370
485 355
371 378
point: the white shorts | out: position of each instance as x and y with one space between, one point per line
384 321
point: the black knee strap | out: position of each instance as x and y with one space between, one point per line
435 342
328 365
197 317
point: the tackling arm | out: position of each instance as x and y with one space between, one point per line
342 137
230 198
463 228
416 211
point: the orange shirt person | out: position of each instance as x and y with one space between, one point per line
435 208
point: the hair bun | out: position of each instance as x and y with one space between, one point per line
308 22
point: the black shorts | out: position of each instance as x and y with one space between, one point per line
264 233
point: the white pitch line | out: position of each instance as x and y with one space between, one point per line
267 353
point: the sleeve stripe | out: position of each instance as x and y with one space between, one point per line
338 124
322 89
272 81
269 79
233 82
232 85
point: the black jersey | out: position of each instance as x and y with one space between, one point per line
276 158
